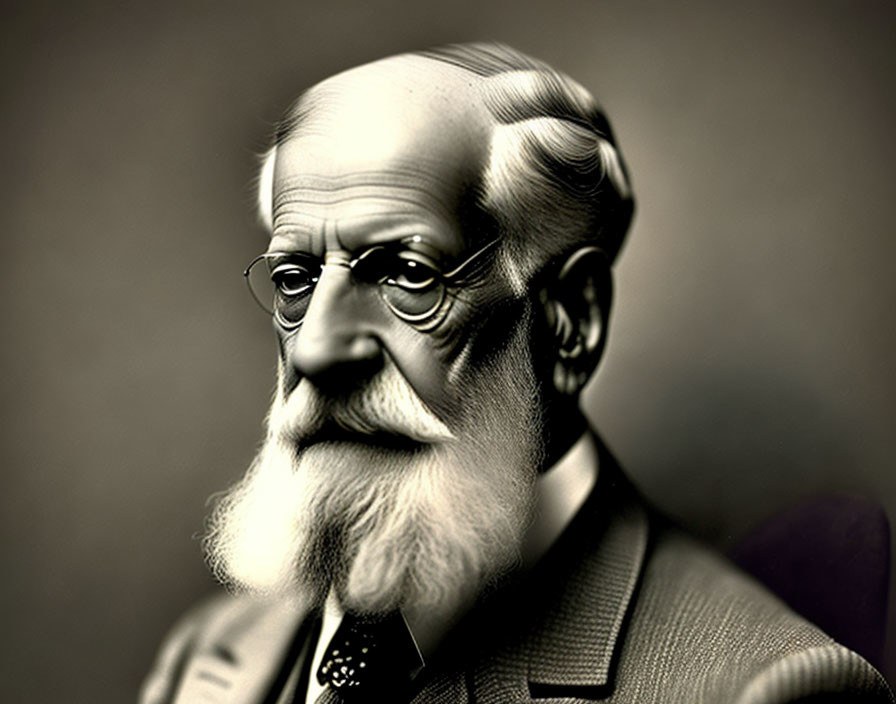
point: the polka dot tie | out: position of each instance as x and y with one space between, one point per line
368 656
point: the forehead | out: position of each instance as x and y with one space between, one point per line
385 148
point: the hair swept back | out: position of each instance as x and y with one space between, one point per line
555 178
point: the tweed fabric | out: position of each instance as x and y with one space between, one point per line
711 634
442 691
624 609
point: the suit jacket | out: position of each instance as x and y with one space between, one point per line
623 608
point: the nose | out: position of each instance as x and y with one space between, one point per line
335 345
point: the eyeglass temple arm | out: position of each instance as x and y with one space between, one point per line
469 260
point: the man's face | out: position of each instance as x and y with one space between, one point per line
403 441
391 164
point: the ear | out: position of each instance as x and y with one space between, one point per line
577 309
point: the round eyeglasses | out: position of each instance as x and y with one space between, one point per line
409 282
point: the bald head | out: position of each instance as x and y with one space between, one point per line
400 108
524 143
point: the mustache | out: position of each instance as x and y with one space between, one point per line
386 406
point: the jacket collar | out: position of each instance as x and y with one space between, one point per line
586 584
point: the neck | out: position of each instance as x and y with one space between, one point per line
567 424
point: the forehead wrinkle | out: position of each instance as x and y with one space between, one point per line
296 225
368 197
300 236
385 185
377 224
306 227
307 222
311 223
409 172
383 225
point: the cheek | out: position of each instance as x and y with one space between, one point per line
444 366
423 360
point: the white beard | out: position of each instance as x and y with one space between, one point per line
417 529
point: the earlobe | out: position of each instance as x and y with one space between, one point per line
576 306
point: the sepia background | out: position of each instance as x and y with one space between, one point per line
751 355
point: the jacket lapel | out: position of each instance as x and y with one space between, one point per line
575 604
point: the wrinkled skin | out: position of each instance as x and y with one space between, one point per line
390 150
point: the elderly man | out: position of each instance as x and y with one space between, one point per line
430 518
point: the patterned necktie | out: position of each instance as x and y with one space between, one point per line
368 656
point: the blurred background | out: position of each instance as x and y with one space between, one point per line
750 360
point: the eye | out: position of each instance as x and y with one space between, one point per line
412 274
292 280
410 283
293 285
413 289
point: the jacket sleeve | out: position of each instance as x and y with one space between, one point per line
829 673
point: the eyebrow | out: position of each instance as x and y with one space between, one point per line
358 232
405 242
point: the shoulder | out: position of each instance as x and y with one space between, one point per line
707 629
219 641
182 639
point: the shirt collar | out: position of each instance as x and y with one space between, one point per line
559 494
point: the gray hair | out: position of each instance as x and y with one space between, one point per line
554 179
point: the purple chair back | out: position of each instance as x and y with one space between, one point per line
829 559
